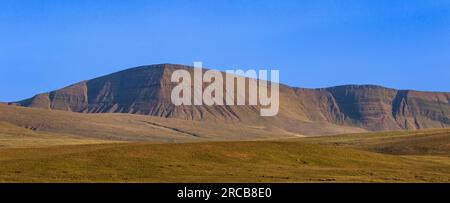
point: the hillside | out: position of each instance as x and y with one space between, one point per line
12 136
422 142
146 91
129 127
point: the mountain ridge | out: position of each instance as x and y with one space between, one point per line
145 90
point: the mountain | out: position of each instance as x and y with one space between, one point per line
146 90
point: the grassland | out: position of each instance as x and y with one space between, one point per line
254 161
422 142
38 146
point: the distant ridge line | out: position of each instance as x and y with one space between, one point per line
146 90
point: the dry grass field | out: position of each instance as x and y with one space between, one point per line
37 146
422 142
251 161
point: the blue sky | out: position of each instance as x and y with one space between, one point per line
405 44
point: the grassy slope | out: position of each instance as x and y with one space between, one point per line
263 161
12 136
424 142
128 127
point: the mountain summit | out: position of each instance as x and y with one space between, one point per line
146 90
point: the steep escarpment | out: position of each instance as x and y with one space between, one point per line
378 108
366 105
132 91
417 110
146 90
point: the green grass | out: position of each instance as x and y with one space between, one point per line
258 161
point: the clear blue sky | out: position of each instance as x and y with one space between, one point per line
46 45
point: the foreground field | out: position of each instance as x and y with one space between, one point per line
256 161
55 146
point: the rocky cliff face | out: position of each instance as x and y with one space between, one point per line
378 108
146 90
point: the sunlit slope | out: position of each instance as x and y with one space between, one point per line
263 161
129 127
423 142
15 136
